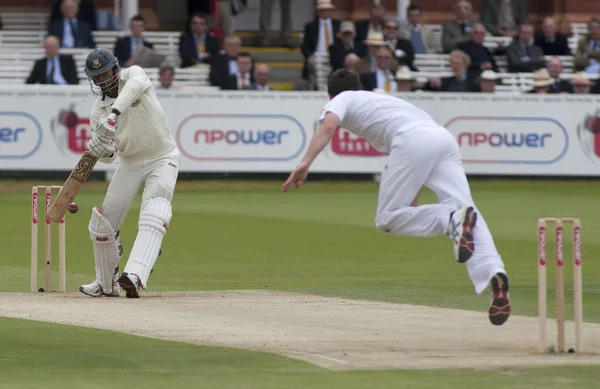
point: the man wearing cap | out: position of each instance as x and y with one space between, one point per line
541 81
319 34
345 45
581 83
382 78
368 64
405 80
487 82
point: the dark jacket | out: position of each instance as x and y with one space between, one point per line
362 29
87 12
83 35
188 51
122 48
560 46
338 52
311 40
561 86
409 53
451 84
514 53
479 54
68 70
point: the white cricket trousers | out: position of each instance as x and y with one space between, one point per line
158 176
429 156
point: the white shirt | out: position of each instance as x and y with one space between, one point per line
380 74
246 80
323 25
143 131
68 36
376 117
57 77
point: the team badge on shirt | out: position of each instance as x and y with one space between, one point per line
135 103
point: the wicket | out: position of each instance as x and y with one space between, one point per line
560 282
48 245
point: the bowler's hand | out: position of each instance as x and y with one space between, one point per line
296 178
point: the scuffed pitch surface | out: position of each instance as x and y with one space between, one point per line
336 333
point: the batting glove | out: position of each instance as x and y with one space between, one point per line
100 147
106 128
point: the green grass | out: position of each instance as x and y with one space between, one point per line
320 239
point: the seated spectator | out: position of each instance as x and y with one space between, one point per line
460 81
368 63
522 55
125 47
541 81
401 48
242 79
261 77
345 45
420 36
198 45
455 32
87 12
166 74
405 81
351 61
481 57
225 65
587 55
366 27
555 68
581 83
501 17
487 82
382 78
54 68
72 32
551 41
319 34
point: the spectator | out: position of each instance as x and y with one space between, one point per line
71 31
405 80
421 37
460 81
87 12
382 78
368 64
587 55
487 82
266 6
54 68
555 69
319 34
125 47
345 45
166 74
481 57
242 79
457 31
198 45
366 27
401 48
501 17
351 61
261 77
522 55
550 41
541 81
225 65
581 83
228 10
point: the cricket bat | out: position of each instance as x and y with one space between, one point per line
71 187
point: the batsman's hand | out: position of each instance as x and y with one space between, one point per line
106 127
100 147
296 178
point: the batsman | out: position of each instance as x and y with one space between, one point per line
128 120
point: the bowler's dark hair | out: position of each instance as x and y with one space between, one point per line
414 7
137 18
342 80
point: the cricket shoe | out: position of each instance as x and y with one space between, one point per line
500 307
95 289
131 284
460 231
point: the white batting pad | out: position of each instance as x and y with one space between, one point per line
106 249
153 224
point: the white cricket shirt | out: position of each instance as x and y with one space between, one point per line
376 117
143 131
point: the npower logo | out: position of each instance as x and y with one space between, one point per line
509 140
20 135
243 137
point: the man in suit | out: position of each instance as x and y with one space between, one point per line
319 34
72 32
419 36
261 77
383 77
225 65
481 57
522 55
587 55
460 81
125 47
555 68
502 17
198 45
550 41
345 45
375 24
369 63
457 31
87 12
401 48
242 79
54 68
